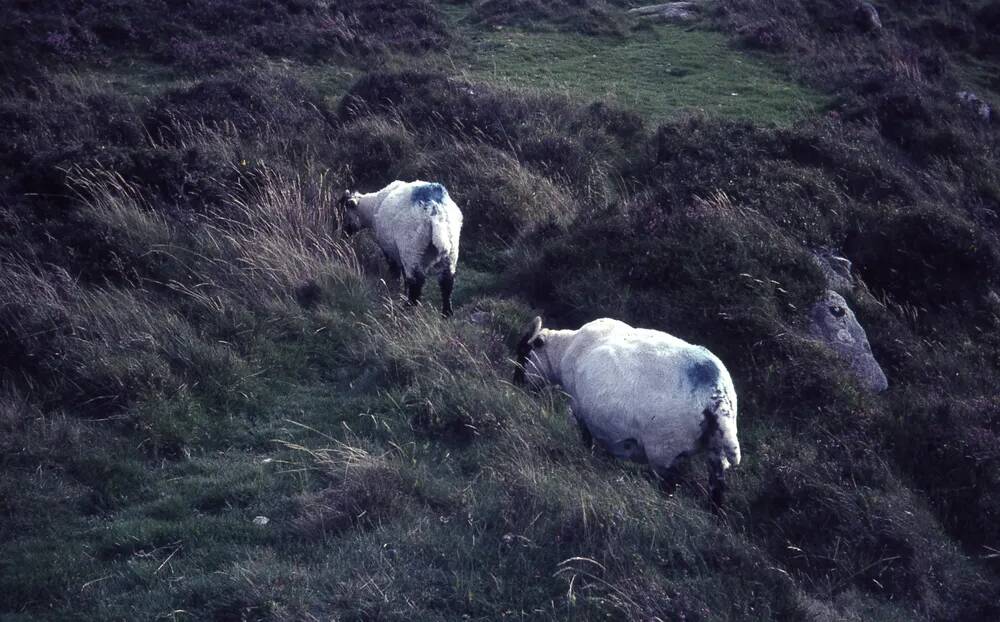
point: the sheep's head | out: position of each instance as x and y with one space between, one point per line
531 341
348 205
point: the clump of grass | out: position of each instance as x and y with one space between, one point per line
958 258
282 232
378 150
449 375
96 349
501 197
250 101
359 489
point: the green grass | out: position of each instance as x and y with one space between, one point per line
659 71
135 78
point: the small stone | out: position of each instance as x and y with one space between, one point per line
260 521
975 104
480 317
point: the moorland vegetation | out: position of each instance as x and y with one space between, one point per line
187 341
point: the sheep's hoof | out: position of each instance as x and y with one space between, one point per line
669 489
668 479
717 494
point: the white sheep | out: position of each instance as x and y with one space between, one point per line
417 226
642 394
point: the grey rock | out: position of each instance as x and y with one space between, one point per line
975 104
480 317
834 323
836 270
674 11
867 17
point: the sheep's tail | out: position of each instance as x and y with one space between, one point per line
444 236
719 429
440 236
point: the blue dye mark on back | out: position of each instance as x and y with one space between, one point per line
703 373
429 193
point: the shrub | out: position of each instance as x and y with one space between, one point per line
361 490
945 446
926 256
501 198
216 33
376 151
94 350
250 102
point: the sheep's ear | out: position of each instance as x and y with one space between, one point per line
345 198
535 328
530 334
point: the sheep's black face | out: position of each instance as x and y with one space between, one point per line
348 205
351 225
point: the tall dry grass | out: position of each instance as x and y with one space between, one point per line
182 283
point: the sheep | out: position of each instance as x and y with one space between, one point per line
644 395
417 226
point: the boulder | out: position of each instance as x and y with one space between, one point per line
836 269
672 11
834 323
866 15
975 104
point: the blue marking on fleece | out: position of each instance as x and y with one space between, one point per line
429 193
703 373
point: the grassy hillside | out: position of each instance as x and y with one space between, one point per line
190 346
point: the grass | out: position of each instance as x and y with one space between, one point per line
659 71
982 74
190 344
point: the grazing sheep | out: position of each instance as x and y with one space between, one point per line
644 395
417 225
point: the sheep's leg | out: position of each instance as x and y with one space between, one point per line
716 483
668 477
395 271
414 286
447 282
585 435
